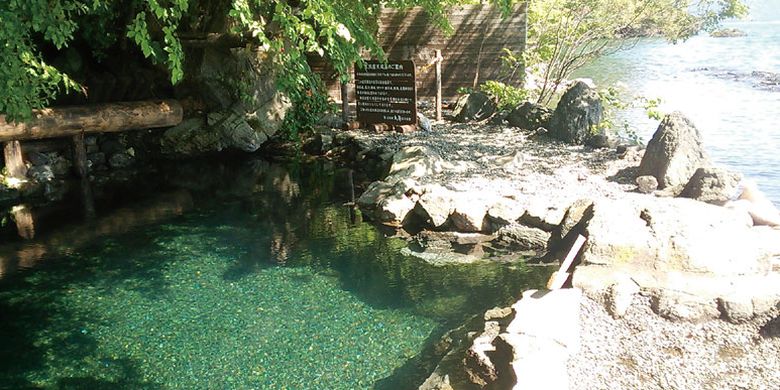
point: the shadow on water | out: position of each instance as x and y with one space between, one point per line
39 330
267 216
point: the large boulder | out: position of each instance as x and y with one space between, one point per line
673 235
577 115
236 91
435 205
220 130
712 185
469 212
521 237
675 152
388 203
530 116
474 107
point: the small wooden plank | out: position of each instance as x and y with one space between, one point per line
562 275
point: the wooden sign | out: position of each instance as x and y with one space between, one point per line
386 93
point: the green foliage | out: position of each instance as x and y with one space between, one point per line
339 30
507 96
26 80
565 35
309 102
614 100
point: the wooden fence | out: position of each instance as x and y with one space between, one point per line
472 53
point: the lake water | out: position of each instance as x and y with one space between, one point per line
712 81
241 274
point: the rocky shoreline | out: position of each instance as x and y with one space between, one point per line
661 247
663 256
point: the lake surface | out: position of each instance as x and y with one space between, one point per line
712 81
241 274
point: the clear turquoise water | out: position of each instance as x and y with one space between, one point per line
709 80
258 282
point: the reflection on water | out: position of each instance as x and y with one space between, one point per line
242 275
719 84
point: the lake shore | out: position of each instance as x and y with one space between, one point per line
493 178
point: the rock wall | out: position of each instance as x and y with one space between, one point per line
237 103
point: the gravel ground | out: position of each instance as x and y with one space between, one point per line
645 351
507 160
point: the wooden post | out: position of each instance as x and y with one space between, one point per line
14 163
80 162
80 155
439 59
345 102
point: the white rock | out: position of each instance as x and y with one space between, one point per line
620 296
552 315
435 204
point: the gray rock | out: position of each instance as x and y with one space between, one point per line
267 117
577 114
574 214
530 116
41 173
120 160
435 205
238 118
474 107
712 185
478 365
675 152
497 313
505 211
469 212
423 122
319 142
543 214
220 130
737 308
647 184
521 237
235 131
387 202
684 307
60 166
600 140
